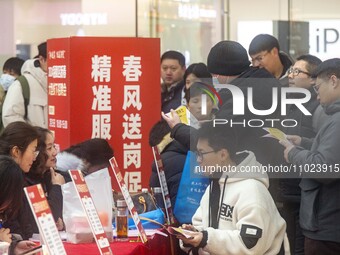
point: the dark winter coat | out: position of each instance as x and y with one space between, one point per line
173 98
320 191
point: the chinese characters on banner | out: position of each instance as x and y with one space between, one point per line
106 88
132 122
101 75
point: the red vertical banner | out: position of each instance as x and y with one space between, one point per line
107 88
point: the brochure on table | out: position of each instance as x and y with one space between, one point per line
44 219
90 212
128 199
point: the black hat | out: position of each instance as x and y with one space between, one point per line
228 58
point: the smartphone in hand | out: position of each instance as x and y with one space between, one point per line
180 232
32 251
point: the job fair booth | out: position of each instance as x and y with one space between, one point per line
108 88
102 87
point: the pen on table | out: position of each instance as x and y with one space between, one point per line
0 223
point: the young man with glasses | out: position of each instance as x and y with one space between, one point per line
264 51
236 214
289 192
320 188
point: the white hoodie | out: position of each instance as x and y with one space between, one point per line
14 107
248 205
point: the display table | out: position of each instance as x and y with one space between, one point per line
157 245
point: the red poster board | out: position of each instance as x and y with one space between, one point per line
164 186
44 219
133 212
90 212
108 88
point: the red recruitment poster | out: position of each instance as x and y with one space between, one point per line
44 219
108 88
128 200
164 185
91 212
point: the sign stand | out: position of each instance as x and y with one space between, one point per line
44 219
91 212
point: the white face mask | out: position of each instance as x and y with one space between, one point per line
6 80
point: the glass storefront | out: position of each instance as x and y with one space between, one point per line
189 26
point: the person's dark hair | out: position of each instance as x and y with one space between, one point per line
11 184
13 65
39 165
200 70
328 68
312 62
196 89
157 132
95 151
42 50
172 54
219 137
19 134
263 42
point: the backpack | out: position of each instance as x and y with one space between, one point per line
26 94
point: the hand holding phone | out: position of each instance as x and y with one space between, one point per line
25 248
180 232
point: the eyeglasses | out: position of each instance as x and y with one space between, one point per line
259 58
296 71
316 87
36 153
199 154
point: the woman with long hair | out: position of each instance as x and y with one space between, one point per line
43 172
11 183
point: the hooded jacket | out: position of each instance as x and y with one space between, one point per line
247 212
320 195
14 107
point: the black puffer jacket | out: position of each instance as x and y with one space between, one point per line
266 150
173 157
173 98
262 83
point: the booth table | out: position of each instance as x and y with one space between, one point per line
156 245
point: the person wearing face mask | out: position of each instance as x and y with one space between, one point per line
13 109
11 70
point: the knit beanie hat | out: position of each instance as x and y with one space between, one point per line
228 58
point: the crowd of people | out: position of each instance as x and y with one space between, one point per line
303 205
239 213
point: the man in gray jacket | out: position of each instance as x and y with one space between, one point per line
318 162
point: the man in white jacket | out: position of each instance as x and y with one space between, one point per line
35 71
237 214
